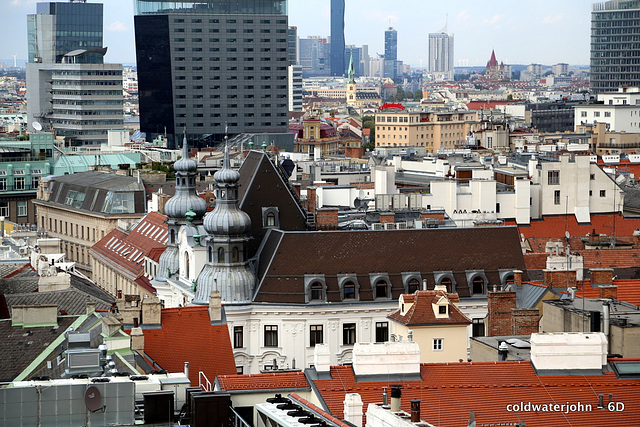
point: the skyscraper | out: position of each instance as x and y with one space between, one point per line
441 54
615 55
314 57
70 89
337 38
212 67
390 53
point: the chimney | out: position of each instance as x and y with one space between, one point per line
415 410
186 369
91 307
601 276
608 291
396 394
137 337
517 277
594 237
215 307
353 409
151 310
503 351
311 200
385 396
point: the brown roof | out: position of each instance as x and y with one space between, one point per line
286 257
267 381
421 311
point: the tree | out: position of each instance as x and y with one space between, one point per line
369 122
400 94
408 95
417 96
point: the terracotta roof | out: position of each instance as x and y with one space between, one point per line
270 381
421 311
127 250
450 391
555 226
287 257
187 335
536 261
628 290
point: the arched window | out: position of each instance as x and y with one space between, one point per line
349 290
413 285
271 219
316 291
235 255
446 281
220 254
186 265
478 285
509 279
381 289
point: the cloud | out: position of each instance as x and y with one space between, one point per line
552 19
495 21
23 3
117 26
463 17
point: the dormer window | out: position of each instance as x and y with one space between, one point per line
446 282
349 290
316 291
413 285
315 288
442 309
270 217
478 285
381 289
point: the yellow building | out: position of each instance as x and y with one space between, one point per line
361 98
397 126
436 323
314 134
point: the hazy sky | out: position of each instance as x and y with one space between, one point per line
520 31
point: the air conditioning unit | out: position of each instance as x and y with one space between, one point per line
24 250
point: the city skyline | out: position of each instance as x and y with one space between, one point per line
544 32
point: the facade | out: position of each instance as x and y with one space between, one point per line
212 70
551 117
314 57
441 55
337 38
561 69
295 87
293 48
22 165
390 53
433 130
614 51
315 135
495 71
71 90
617 109
82 208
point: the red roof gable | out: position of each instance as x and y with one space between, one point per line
187 336
270 381
450 391
421 311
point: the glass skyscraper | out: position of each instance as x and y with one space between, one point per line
70 89
615 51
337 38
391 53
211 68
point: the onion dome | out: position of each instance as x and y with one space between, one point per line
185 164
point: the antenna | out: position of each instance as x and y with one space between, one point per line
37 126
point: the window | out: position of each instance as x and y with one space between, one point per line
596 114
348 333
603 193
442 309
446 282
556 197
382 331
18 183
349 290
437 344
238 337
4 208
478 285
316 291
477 327
270 336
592 177
271 219
315 335
554 177
413 286
239 370
607 113
3 184
381 289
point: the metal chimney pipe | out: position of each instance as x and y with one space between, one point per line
396 394
606 318
186 369
415 410
385 396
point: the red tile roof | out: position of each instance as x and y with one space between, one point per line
450 391
555 226
421 311
628 290
270 381
127 250
187 336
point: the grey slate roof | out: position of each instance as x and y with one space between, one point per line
71 301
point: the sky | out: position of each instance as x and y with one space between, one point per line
520 31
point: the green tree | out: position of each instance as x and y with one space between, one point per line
417 96
408 95
400 94
369 122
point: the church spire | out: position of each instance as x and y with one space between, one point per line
352 70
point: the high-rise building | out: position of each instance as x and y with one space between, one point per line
390 53
441 54
615 55
212 68
337 38
561 69
70 89
314 57
293 48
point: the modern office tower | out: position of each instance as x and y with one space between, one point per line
295 87
390 53
70 89
615 54
338 66
212 68
314 57
441 55
293 48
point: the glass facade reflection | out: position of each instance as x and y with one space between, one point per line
225 7
337 38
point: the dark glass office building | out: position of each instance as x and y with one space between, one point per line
390 53
212 68
337 38
615 48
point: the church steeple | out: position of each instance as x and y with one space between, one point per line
351 84
352 70
227 268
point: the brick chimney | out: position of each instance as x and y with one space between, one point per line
560 278
312 201
601 276
499 306
608 291
517 277
327 219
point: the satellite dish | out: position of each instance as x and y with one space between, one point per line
93 399
566 234
37 126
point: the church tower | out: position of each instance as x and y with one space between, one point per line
351 84
227 268
186 199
